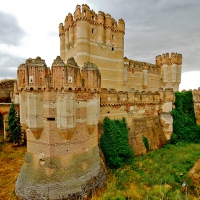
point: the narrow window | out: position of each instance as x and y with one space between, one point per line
112 48
50 119
92 30
84 13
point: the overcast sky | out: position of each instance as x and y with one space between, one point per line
30 29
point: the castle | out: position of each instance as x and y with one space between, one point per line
62 106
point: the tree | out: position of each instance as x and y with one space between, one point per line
185 127
14 128
114 143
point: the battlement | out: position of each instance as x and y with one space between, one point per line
139 66
84 13
175 58
112 97
35 75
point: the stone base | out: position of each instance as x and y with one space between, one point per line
55 180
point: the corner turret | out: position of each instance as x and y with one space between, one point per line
170 70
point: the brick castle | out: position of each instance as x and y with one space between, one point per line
62 107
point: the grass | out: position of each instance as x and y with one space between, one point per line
154 176
11 159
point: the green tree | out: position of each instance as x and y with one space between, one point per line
114 143
14 128
184 119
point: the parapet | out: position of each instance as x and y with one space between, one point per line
58 62
175 58
86 14
112 97
134 66
72 63
35 62
35 75
90 66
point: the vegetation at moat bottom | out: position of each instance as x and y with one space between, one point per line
156 175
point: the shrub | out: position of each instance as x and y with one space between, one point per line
114 143
184 119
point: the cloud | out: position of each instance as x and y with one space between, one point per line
10 32
9 65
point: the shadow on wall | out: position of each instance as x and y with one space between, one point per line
1 123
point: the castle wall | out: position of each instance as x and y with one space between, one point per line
165 73
146 114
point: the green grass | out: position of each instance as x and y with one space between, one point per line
155 175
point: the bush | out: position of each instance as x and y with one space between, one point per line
114 143
184 119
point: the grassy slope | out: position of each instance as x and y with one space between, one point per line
155 175
151 176
11 159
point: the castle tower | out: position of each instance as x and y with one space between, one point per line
96 38
171 68
60 116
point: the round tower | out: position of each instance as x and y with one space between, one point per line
82 36
108 26
62 159
62 41
100 28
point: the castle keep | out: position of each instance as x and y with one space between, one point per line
62 106
99 38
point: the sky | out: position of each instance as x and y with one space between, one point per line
29 28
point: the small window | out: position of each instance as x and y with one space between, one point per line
92 30
112 48
84 13
113 37
50 119
69 79
30 79
92 18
